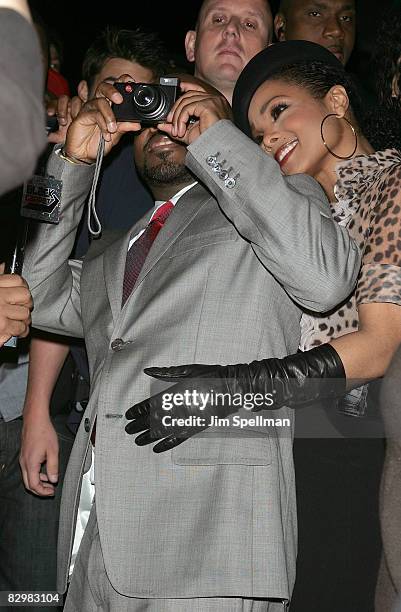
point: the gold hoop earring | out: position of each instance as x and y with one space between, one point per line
327 146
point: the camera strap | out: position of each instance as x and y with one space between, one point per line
92 214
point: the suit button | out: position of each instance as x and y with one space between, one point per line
87 425
230 182
211 159
117 344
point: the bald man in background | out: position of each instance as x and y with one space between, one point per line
228 33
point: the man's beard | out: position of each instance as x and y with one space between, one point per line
166 172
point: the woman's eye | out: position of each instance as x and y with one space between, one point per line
277 110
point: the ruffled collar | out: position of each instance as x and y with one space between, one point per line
356 175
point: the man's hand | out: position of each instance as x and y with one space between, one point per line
195 111
96 118
39 446
15 307
65 109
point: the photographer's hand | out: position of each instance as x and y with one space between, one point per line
201 103
96 118
65 109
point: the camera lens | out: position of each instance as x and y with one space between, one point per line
146 97
149 101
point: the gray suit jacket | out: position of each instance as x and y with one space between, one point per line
223 283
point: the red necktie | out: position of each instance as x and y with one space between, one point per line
138 252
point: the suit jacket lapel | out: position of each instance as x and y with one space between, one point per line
114 258
185 210
115 255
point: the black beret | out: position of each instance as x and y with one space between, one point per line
265 64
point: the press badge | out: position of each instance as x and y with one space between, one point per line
41 199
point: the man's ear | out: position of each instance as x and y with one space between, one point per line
190 40
83 91
337 100
279 26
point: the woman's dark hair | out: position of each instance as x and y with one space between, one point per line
318 78
380 126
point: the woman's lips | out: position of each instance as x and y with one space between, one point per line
282 154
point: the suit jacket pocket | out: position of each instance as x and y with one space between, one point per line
205 239
247 447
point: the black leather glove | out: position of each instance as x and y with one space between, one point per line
292 381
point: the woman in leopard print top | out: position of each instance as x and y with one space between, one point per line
368 204
309 121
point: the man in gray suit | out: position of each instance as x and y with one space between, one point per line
210 525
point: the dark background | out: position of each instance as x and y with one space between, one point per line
77 24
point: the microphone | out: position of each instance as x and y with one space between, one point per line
15 263
40 201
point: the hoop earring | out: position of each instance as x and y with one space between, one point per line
325 143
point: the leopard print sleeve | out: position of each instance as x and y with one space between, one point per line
368 204
380 277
